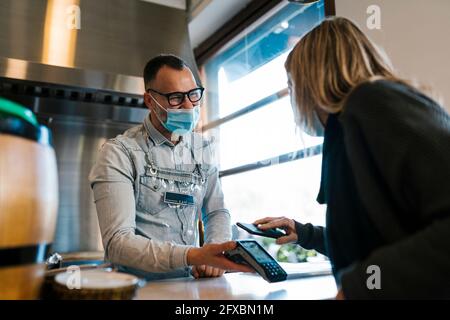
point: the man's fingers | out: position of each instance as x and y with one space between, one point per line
202 271
208 271
239 267
217 272
226 246
195 273
198 271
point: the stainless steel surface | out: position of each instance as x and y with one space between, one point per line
79 129
115 36
76 144
93 79
76 140
78 65
85 83
54 106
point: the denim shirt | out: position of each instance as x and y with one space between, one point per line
142 233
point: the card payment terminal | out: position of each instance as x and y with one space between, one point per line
252 253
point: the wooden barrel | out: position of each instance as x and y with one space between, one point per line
28 201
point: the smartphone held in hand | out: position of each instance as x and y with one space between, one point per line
253 229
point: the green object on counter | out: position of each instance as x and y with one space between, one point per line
11 108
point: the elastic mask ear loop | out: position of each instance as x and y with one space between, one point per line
159 106
174 136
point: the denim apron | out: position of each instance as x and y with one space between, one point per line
150 187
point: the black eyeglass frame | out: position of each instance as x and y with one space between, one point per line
185 94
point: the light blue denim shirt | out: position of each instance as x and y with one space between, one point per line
140 231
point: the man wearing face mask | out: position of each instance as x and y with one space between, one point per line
154 182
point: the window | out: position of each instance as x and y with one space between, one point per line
249 112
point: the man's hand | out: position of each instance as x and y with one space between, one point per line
212 255
279 222
204 271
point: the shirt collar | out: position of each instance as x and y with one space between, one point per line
157 137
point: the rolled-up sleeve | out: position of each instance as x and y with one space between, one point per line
112 179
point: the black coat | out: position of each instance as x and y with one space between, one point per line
388 194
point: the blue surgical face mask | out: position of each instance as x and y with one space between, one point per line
179 121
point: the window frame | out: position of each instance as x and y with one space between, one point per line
255 10
247 18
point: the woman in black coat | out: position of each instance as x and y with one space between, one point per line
385 168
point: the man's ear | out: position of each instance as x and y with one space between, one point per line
148 101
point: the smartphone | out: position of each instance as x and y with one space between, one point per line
271 233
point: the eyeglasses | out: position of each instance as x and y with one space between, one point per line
177 98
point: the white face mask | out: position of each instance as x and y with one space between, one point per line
317 129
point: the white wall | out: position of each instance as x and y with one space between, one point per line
414 33
212 17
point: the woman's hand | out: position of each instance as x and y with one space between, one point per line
284 223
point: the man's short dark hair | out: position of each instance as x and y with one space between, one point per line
155 64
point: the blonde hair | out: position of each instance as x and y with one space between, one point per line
328 63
